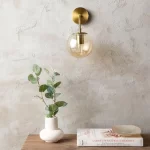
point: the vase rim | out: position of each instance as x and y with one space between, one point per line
51 118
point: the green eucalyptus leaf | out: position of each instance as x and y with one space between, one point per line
53 108
32 79
50 89
49 115
49 95
57 84
37 70
56 74
57 94
61 103
43 87
46 70
49 82
56 112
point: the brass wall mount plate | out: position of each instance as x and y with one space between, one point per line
80 12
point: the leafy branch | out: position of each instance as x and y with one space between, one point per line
48 89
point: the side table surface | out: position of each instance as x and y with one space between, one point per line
69 142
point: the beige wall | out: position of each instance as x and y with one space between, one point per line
111 86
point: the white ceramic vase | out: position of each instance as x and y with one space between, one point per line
51 133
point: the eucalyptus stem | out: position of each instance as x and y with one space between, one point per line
41 99
54 98
41 95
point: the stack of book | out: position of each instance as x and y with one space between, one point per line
106 137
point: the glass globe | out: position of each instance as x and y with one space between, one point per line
79 44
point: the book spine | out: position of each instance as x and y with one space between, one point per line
111 142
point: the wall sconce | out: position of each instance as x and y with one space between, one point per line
79 43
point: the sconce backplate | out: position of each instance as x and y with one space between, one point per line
80 13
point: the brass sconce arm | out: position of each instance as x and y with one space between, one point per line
80 23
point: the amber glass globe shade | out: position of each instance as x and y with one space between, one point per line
79 44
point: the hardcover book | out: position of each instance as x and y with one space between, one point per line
106 137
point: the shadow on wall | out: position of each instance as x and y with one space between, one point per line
114 61
90 18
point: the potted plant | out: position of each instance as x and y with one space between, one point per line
48 95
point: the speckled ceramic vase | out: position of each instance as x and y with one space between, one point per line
51 133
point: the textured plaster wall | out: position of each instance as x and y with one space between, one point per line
110 86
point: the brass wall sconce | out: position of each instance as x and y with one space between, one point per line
79 43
